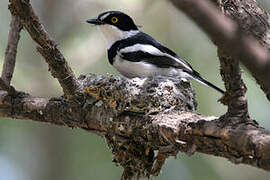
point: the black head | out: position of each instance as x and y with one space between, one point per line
114 18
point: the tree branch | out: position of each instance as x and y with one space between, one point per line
226 34
235 97
10 55
253 20
236 89
144 116
46 46
6 87
11 50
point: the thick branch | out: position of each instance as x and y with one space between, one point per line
235 88
11 50
253 20
230 38
46 46
115 108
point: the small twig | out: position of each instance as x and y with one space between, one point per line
46 46
160 161
127 175
11 50
10 55
220 5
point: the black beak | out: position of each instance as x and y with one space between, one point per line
95 21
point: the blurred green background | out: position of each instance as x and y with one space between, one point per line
34 151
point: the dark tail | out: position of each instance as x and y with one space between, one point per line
204 82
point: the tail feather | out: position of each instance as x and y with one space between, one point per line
204 82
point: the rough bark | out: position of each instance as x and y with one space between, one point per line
11 50
235 97
6 87
10 55
254 21
142 117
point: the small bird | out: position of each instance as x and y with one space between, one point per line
136 54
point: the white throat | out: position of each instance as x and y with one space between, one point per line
113 34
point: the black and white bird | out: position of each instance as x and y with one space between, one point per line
136 54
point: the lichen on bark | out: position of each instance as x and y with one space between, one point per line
123 96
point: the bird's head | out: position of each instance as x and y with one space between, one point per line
115 25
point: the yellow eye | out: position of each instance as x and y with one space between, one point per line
114 20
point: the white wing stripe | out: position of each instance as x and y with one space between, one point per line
142 47
104 16
152 50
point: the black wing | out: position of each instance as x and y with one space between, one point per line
165 60
159 61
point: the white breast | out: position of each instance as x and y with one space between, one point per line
134 69
141 69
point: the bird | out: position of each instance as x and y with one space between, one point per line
136 54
